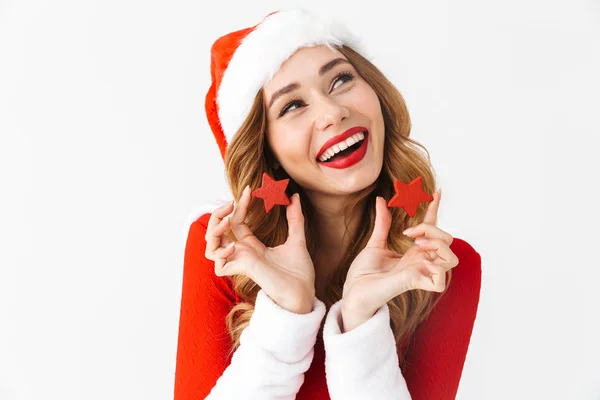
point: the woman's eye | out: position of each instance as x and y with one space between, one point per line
288 107
342 77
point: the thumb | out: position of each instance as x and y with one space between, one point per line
229 264
383 221
295 220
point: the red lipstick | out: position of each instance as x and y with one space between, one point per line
340 138
350 159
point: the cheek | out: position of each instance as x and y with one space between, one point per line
372 106
366 102
291 145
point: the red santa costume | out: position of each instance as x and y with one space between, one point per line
283 355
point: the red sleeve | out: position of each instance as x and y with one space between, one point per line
434 362
203 341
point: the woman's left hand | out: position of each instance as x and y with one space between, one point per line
379 274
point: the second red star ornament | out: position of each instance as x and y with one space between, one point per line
409 196
272 192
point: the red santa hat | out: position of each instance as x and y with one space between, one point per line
242 62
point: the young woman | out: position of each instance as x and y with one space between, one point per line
329 296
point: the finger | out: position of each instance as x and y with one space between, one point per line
436 280
218 232
443 257
222 253
432 209
295 220
428 231
219 213
223 266
383 221
440 247
214 238
238 219
232 267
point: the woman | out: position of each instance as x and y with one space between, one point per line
329 296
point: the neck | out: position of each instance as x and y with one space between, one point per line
331 225
330 220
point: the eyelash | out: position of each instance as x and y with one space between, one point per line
345 74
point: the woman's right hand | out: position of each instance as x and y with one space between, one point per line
286 273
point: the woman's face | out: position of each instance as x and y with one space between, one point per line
328 99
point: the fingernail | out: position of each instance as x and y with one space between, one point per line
409 230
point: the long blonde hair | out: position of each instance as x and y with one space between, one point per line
248 156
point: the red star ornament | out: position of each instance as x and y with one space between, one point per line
272 192
409 196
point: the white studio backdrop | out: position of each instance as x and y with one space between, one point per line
106 153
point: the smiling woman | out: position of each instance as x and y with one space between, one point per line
311 108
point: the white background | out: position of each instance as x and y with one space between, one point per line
106 154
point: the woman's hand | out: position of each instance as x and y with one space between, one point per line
378 274
286 273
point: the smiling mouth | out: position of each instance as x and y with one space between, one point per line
347 151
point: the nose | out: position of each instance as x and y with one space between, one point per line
329 112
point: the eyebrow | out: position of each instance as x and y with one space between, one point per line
293 86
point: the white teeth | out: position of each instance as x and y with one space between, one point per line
336 148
